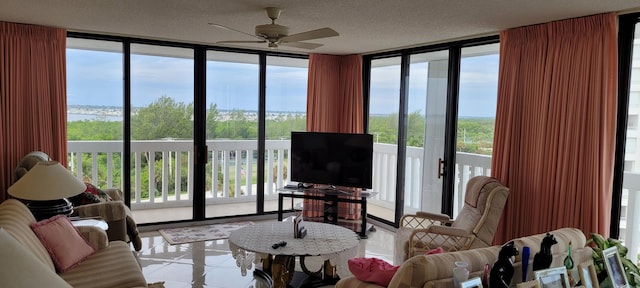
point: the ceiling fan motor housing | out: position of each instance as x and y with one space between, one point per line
272 31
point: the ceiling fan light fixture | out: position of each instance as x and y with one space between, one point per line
272 31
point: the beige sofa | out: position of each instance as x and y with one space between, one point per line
113 265
436 270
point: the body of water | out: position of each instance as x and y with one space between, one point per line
80 117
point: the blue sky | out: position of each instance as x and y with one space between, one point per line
95 78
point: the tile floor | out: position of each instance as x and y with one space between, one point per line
210 264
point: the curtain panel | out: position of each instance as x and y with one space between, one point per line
334 104
33 101
555 125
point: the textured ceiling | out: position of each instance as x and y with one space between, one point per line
365 26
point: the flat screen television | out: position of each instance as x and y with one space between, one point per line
336 159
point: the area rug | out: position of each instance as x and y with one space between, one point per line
201 233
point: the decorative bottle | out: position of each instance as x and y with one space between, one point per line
460 273
568 263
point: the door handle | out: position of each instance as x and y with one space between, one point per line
441 168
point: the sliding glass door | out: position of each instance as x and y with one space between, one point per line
161 131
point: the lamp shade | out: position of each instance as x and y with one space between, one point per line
47 180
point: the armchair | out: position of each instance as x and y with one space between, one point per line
474 227
117 215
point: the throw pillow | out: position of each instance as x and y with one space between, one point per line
102 196
434 251
65 244
91 195
372 270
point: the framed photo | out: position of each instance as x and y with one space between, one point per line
553 277
528 284
472 283
588 276
614 267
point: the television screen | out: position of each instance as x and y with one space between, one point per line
338 159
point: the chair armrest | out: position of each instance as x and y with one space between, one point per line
449 238
422 220
95 236
109 211
114 193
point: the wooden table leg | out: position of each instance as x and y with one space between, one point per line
282 270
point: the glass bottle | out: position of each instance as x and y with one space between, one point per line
568 263
460 273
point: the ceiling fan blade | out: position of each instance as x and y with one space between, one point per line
234 30
302 45
232 41
313 34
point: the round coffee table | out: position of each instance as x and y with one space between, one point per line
255 244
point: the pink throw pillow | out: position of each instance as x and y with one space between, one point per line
434 251
372 270
64 242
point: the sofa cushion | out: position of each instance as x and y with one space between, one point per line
16 218
65 244
113 266
20 268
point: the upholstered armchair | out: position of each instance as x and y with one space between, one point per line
474 227
117 215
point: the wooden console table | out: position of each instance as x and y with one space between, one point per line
331 198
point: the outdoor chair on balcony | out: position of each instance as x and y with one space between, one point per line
474 227
117 215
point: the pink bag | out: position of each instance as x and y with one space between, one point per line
372 270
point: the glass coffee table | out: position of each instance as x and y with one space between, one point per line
254 244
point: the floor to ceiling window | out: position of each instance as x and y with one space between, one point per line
383 125
286 107
426 113
629 221
477 103
146 89
232 133
419 105
95 111
162 129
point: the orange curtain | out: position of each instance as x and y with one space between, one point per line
33 101
334 104
555 125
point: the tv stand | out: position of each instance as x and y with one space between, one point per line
331 196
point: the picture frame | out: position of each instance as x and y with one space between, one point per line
613 265
528 284
588 276
475 282
553 277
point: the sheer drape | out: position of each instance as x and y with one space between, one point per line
33 101
555 125
334 104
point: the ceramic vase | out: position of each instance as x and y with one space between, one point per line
460 273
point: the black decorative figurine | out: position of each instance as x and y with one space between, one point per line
542 259
502 270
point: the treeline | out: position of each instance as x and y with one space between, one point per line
167 119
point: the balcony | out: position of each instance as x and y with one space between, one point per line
231 168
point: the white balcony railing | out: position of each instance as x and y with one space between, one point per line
231 165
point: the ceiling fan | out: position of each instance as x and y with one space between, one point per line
278 35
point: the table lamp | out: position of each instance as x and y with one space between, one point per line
44 189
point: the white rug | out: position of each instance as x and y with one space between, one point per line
201 233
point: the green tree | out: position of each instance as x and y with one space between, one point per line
164 118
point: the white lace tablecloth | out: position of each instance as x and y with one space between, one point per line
253 243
